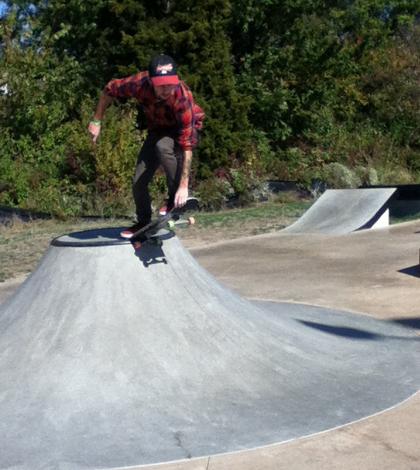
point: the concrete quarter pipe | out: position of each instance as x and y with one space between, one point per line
112 358
340 211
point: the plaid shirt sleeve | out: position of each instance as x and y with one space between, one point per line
129 87
190 119
186 125
198 116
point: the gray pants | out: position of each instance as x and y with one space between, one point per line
159 149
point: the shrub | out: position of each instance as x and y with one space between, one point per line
395 174
368 176
213 193
338 176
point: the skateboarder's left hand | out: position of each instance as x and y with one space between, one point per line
181 196
94 130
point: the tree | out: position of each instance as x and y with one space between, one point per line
303 63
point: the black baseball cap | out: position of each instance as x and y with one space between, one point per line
162 70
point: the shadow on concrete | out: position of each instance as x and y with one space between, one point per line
151 250
94 237
408 322
346 332
411 270
100 233
151 253
357 334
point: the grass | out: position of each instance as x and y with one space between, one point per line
279 214
234 223
22 244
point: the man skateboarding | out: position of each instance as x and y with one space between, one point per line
173 121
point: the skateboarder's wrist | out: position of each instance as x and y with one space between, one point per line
184 183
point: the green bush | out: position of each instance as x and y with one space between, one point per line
391 174
368 176
213 193
338 176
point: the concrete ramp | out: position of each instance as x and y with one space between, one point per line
340 211
112 358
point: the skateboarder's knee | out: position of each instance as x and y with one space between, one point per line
164 149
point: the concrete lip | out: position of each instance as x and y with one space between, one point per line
102 237
111 358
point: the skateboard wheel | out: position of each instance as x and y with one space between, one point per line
191 220
171 224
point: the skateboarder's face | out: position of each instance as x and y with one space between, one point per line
163 92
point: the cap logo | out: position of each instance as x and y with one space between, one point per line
164 69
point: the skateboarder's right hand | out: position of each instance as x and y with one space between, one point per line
94 129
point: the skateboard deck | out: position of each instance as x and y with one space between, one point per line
168 221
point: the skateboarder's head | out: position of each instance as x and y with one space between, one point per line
162 73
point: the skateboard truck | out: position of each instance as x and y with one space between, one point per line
173 223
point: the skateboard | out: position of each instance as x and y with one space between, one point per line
168 221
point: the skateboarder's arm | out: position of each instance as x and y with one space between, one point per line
182 193
95 124
104 101
187 140
186 168
129 87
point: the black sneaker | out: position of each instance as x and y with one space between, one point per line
129 232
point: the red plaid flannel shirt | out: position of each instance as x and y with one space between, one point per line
179 112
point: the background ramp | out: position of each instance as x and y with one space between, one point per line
340 211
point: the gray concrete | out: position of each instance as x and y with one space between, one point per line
113 358
8 288
370 271
340 211
375 272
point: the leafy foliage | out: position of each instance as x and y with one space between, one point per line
292 89
311 68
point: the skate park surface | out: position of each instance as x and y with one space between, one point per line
375 272
371 272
